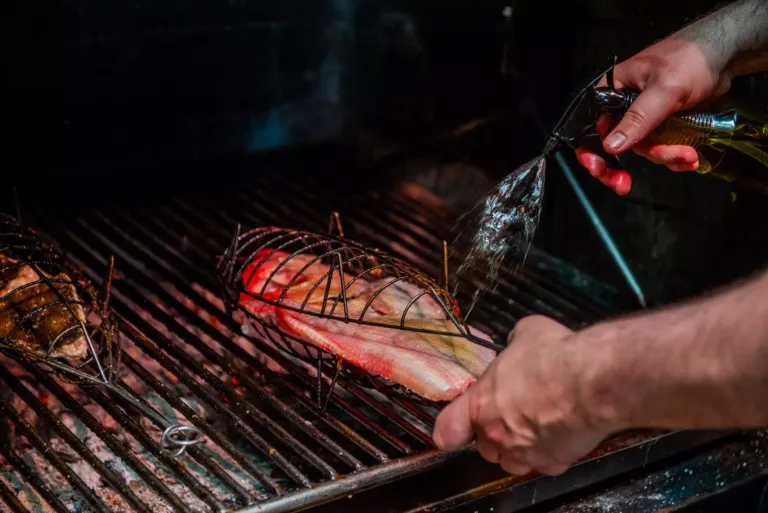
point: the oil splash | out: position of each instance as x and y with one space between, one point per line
502 225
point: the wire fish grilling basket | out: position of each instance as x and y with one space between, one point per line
331 277
52 316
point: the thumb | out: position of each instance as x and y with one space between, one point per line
453 427
647 112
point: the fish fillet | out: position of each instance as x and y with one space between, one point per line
436 367
20 297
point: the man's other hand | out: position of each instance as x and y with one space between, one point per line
527 412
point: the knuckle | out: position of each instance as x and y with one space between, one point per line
529 322
533 323
495 433
515 467
476 407
635 116
524 434
673 85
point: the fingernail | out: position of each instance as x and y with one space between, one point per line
615 140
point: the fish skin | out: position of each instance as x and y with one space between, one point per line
439 368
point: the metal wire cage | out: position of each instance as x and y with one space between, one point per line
52 316
331 277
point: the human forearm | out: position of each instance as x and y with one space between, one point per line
732 34
699 365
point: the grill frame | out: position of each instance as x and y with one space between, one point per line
89 241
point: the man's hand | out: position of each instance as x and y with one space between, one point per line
672 75
526 412
676 74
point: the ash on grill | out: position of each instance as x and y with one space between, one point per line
28 392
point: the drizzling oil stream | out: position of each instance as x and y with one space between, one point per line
503 224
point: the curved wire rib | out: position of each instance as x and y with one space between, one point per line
288 260
51 315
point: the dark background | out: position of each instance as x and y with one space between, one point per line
123 100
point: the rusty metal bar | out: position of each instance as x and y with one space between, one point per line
44 414
246 430
200 456
136 431
23 428
178 404
117 446
10 499
31 476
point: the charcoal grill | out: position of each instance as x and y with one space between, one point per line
267 447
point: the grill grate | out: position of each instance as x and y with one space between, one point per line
266 443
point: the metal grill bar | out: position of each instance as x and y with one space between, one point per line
31 477
47 451
252 414
115 445
340 427
205 461
10 499
199 422
180 471
62 431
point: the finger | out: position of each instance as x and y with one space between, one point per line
513 465
618 180
665 154
488 450
646 113
453 427
684 167
553 469
537 460
592 162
